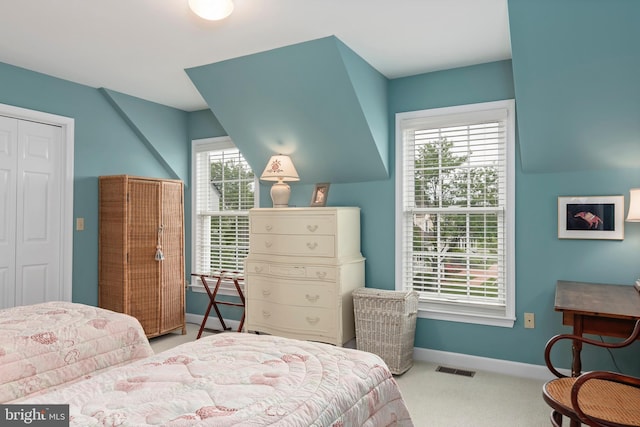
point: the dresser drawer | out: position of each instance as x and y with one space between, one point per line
262 315
292 245
302 293
301 271
285 223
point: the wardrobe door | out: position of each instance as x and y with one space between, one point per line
172 267
143 281
112 242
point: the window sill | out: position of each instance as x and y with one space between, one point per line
464 315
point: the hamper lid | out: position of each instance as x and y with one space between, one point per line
384 293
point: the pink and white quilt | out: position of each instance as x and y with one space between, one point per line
43 346
237 379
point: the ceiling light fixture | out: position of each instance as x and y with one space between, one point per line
212 10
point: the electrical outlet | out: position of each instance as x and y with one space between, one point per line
79 224
529 321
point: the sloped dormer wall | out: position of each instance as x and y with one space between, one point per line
162 129
575 66
317 101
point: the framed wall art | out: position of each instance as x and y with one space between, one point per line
320 194
591 217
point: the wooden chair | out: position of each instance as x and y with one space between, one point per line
598 398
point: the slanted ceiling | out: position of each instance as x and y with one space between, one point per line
576 66
160 128
317 101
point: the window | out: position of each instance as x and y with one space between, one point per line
455 210
224 188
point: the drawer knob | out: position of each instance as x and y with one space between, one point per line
266 314
266 292
312 245
321 274
258 268
268 244
312 298
312 228
313 320
269 227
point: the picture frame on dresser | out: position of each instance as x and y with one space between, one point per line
591 217
320 195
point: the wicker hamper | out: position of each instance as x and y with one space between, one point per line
386 325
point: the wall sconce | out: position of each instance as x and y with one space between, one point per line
280 169
211 10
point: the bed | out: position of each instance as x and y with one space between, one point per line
49 345
239 379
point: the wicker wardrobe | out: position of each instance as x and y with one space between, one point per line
141 251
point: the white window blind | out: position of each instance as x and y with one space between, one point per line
224 192
456 224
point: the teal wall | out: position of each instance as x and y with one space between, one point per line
575 66
107 143
541 258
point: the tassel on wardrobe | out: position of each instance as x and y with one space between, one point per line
159 254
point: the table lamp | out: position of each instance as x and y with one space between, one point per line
280 169
634 205
634 216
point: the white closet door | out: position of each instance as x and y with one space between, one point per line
39 199
30 212
8 166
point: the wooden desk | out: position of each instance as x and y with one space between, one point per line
595 308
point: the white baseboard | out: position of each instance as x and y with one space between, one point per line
451 360
469 362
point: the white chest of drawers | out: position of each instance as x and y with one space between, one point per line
302 268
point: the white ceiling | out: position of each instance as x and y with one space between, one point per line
142 47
